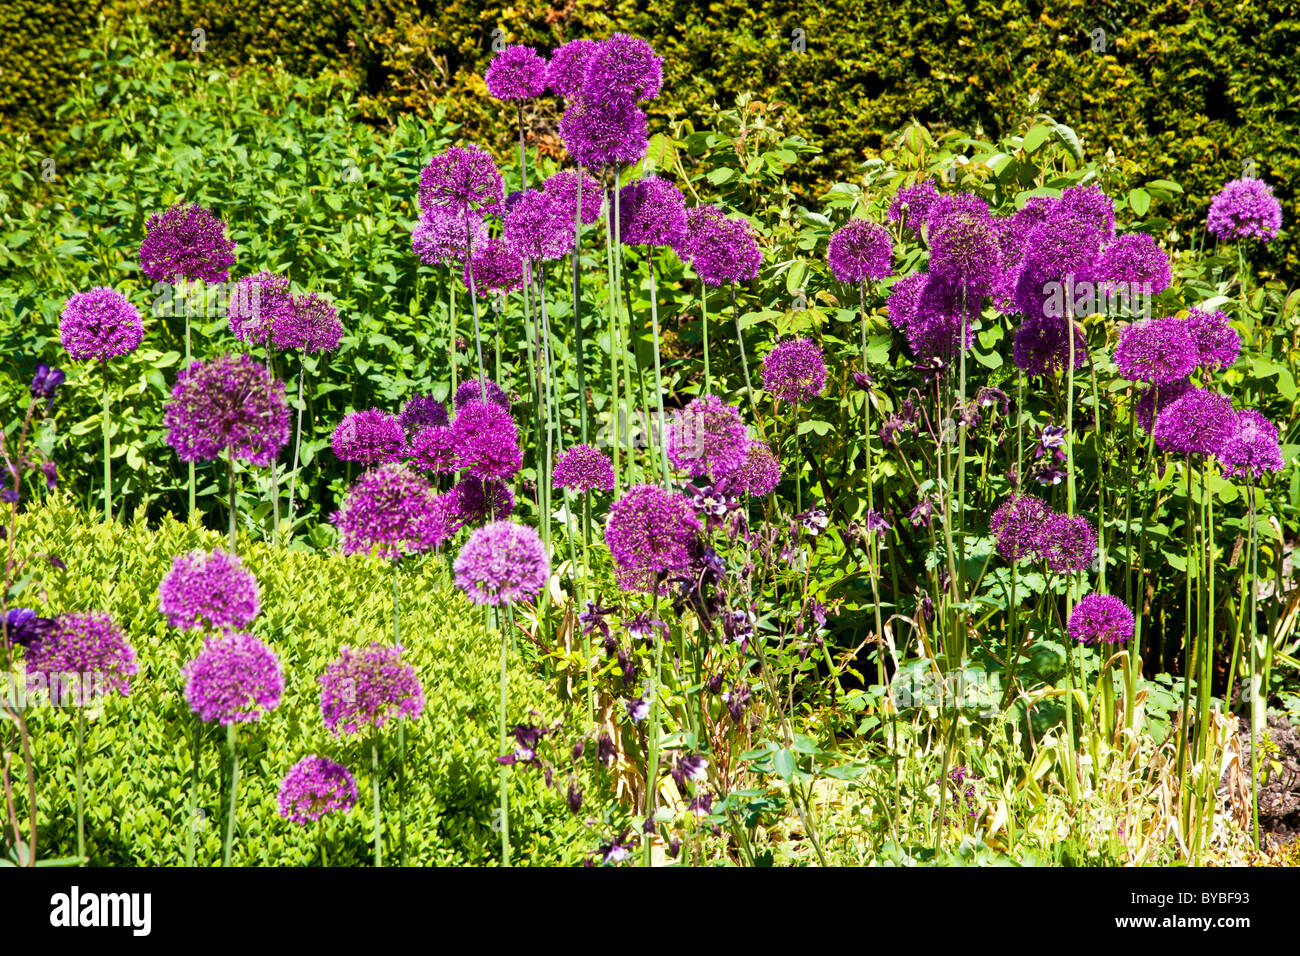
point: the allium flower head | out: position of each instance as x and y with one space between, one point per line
516 73
911 205
442 236
1244 209
433 448
1013 237
1252 449
651 532
209 590
258 304
604 134
315 786
422 410
365 689
1100 617
85 649
942 324
1156 350
583 468
229 403
1016 525
1066 543
99 324
470 391
1059 254
860 250
1217 343
473 501
622 67
901 303
564 190
1198 423
964 248
1147 409
759 473
487 441
461 179
502 563
708 437
721 250
370 437
536 227
568 67
1134 259
234 680
1041 345
1089 206
186 242
312 326
494 266
652 212
393 511
795 370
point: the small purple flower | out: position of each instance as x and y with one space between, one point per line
442 236
759 473
516 73
366 688
794 371
686 768
564 190
1042 346
1016 525
99 324
494 267
315 786
258 304
422 410
370 437
470 391
1066 543
527 737
473 501
722 250
235 679
502 563
45 383
433 448
1100 617
186 242
1244 209
638 709
537 227
583 468
24 626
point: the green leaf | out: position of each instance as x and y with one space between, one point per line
1139 200
783 763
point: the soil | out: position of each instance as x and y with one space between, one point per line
1279 798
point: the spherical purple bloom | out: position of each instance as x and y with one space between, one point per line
651 532
1013 238
1252 449
470 391
487 440
496 267
1134 259
1244 209
937 329
209 590
1089 206
84 653
312 326
442 236
371 437
472 501
258 304
433 448
186 242
516 73
536 227
708 437
911 205
315 786
964 248
722 250
1148 409
422 410
583 468
568 67
461 179
564 189
1158 351
652 212
902 300
1016 525
364 689
1041 345
860 250
234 680
1198 423
392 511
605 133
99 324
1060 254
502 563
1217 343
699 220
759 473
229 403
1100 617
1066 543
622 67
795 370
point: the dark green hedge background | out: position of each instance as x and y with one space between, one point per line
1189 89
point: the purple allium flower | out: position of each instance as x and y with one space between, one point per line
937 330
433 448
311 326
1244 209
1089 206
651 532
1252 449
699 220
1041 345
568 67
1134 259
45 383
502 563
391 510
707 437
422 410
1158 351
622 67
234 680
258 304
652 212
209 590
315 786
964 248
229 403
441 236
1016 524
563 188
1066 543
516 73
903 298
583 468
1217 343
721 250
85 652
495 267
186 242
462 179
860 250
487 440
99 324
1100 617
759 473
370 437
911 205
537 227
469 391
1013 236
1147 409
1198 423
1060 254
604 133
365 689
795 370
471 501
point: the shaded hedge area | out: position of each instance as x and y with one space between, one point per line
1192 89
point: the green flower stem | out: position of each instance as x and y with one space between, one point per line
194 794
473 302
192 483
652 769
1253 680
275 464
579 354
503 740
297 445
230 468
612 332
658 430
740 341
704 330
232 743
81 783
451 329
401 737
108 457
374 780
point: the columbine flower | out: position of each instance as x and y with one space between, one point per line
527 737
209 590
315 786
583 468
45 383
814 521
687 767
371 437
1244 208
186 242
795 370
1051 440
393 511
638 708
99 324
1100 617
89 647
24 626
650 532
502 563
516 73
707 437
364 689
229 404
235 679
